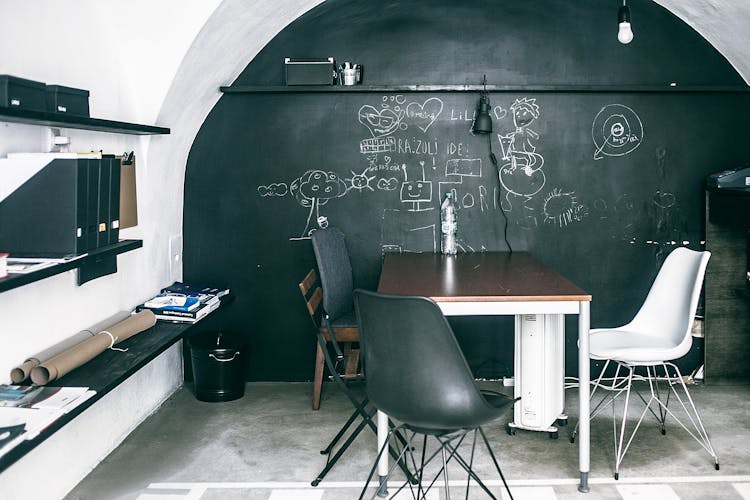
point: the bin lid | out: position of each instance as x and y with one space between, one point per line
216 342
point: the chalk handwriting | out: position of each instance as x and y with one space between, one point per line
423 115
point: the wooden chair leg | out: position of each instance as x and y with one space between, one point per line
352 363
318 379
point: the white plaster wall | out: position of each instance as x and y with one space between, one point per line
126 53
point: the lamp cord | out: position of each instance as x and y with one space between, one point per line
493 159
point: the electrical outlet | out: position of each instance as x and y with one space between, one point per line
175 257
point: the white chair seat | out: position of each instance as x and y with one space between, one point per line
632 347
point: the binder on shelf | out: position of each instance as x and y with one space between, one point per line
128 195
82 193
92 204
114 201
44 215
102 219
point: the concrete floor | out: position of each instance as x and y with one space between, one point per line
266 445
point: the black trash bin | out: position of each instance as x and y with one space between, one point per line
218 367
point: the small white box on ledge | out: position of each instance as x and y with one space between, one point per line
3 265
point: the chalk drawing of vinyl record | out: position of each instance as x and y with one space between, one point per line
617 130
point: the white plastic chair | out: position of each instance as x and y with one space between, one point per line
659 333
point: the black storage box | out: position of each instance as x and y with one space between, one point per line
67 100
21 93
310 71
218 366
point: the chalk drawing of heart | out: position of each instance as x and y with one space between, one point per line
388 184
423 115
664 200
499 112
379 122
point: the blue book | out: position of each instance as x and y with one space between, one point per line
173 302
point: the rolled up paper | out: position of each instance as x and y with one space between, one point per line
87 350
22 371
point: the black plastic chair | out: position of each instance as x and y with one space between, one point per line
433 394
337 286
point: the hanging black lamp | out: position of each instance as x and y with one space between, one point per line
482 120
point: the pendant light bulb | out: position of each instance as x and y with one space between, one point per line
625 31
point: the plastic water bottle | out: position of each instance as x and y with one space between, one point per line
448 225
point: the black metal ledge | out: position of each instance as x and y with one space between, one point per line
17 280
79 122
572 89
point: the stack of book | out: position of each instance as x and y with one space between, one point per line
184 302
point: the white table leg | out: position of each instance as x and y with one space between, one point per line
583 394
383 463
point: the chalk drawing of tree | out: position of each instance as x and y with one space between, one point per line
313 189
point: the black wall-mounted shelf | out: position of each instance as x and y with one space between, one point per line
31 117
573 89
91 258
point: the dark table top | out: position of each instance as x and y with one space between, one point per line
476 277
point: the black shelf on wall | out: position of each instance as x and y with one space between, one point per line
439 88
82 263
44 118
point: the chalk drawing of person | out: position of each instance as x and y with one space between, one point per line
522 173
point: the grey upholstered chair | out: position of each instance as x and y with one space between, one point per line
337 322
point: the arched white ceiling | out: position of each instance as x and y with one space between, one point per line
722 22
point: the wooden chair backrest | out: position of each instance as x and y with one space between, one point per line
312 300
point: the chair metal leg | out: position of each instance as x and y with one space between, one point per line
613 391
700 434
335 458
494 461
340 433
445 474
619 451
698 431
366 421
448 450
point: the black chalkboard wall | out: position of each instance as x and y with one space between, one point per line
600 184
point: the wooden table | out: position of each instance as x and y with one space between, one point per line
493 283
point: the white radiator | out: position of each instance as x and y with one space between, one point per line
539 372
